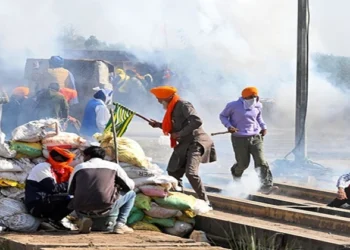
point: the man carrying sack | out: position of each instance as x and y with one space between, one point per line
191 144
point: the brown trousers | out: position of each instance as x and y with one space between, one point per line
191 168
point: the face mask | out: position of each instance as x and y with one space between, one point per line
165 105
248 104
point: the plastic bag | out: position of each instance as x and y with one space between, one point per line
135 216
35 131
180 229
190 213
6 151
21 223
30 149
10 183
10 207
64 140
201 207
169 222
140 225
143 202
176 200
138 172
154 191
157 211
165 181
129 151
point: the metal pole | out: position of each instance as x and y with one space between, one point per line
302 82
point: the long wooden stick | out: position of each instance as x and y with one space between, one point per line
220 133
114 136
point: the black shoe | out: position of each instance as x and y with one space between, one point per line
268 189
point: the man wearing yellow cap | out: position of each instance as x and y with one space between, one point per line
243 118
191 144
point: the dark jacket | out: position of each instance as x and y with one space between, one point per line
187 123
95 185
10 113
51 104
28 111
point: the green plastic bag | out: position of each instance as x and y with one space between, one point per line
30 149
160 222
176 200
143 202
135 216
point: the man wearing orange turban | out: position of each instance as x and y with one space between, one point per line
46 189
243 118
12 109
191 144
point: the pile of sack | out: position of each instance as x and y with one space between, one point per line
156 207
29 146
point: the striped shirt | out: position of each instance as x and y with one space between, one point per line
342 181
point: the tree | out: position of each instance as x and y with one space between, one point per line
92 43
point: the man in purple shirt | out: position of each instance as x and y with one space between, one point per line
244 120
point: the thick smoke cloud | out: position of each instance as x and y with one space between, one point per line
217 46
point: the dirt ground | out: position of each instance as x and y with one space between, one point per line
73 240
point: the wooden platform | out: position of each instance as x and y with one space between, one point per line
100 241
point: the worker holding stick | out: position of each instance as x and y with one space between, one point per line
243 119
191 144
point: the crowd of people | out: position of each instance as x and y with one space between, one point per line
99 191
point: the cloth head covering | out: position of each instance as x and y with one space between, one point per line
249 91
106 95
21 91
61 170
163 92
56 62
69 94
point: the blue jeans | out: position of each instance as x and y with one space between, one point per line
118 213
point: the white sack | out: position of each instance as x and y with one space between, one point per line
34 131
14 165
164 180
6 152
139 172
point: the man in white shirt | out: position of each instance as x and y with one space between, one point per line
343 196
96 114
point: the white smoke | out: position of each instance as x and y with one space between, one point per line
218 46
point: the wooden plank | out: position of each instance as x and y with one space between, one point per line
222 227
281 214
315 195
137 240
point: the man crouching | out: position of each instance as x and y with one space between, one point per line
103 194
